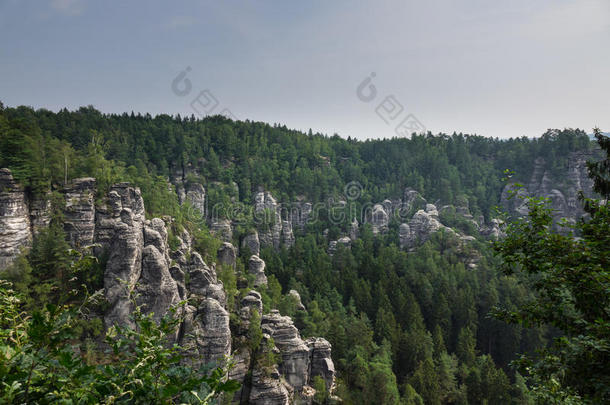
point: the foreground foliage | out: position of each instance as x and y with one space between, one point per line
571 277
42 361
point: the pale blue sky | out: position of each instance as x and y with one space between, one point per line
477 66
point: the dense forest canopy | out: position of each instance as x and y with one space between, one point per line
406 327
450 168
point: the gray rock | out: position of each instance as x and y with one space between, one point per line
253 301
124 265
195 195
287 235
227 254
295 353
256 266
203 282
267 386
40 213
15 232
321 363
252 242
79 213
379 219
353 231
297 297
420 227
268 219
215 340
222 229
156 290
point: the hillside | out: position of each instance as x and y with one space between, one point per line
365 264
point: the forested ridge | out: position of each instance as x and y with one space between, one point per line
408 327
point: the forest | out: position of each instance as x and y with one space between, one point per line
406 327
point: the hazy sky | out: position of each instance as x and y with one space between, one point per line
488 67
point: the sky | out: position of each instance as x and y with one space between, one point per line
365 69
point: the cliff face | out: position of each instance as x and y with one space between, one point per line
15 232
139 260
561 191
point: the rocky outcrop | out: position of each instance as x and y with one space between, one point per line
267 387
15 232
353 230
287 234
297 299
300 214
214 339
420 227
222 229
227 254
320 361
562 192
195 195
40 212
252 243
201 277
268 219
294 351
379 219
79 223
256 267
141 267
123 226
344 241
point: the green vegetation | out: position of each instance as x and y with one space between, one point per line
405 327
571 278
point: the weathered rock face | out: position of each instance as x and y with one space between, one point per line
295 353
40 213
300 214
222 229
124 228
297 297
344 241
287 234
379 219
252 242
15 230
321 363
227 254
203 282
79 223
195 195
256 266
353 230
268 218
139 260
157 290
420 227
562 192
267 387
213 335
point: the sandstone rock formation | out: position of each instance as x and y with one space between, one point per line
294 351
15 232
420 227
195 195
320 361
297 297
79 214
139 260
256 266
562 192
222 229
252 242
227 254
379 219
